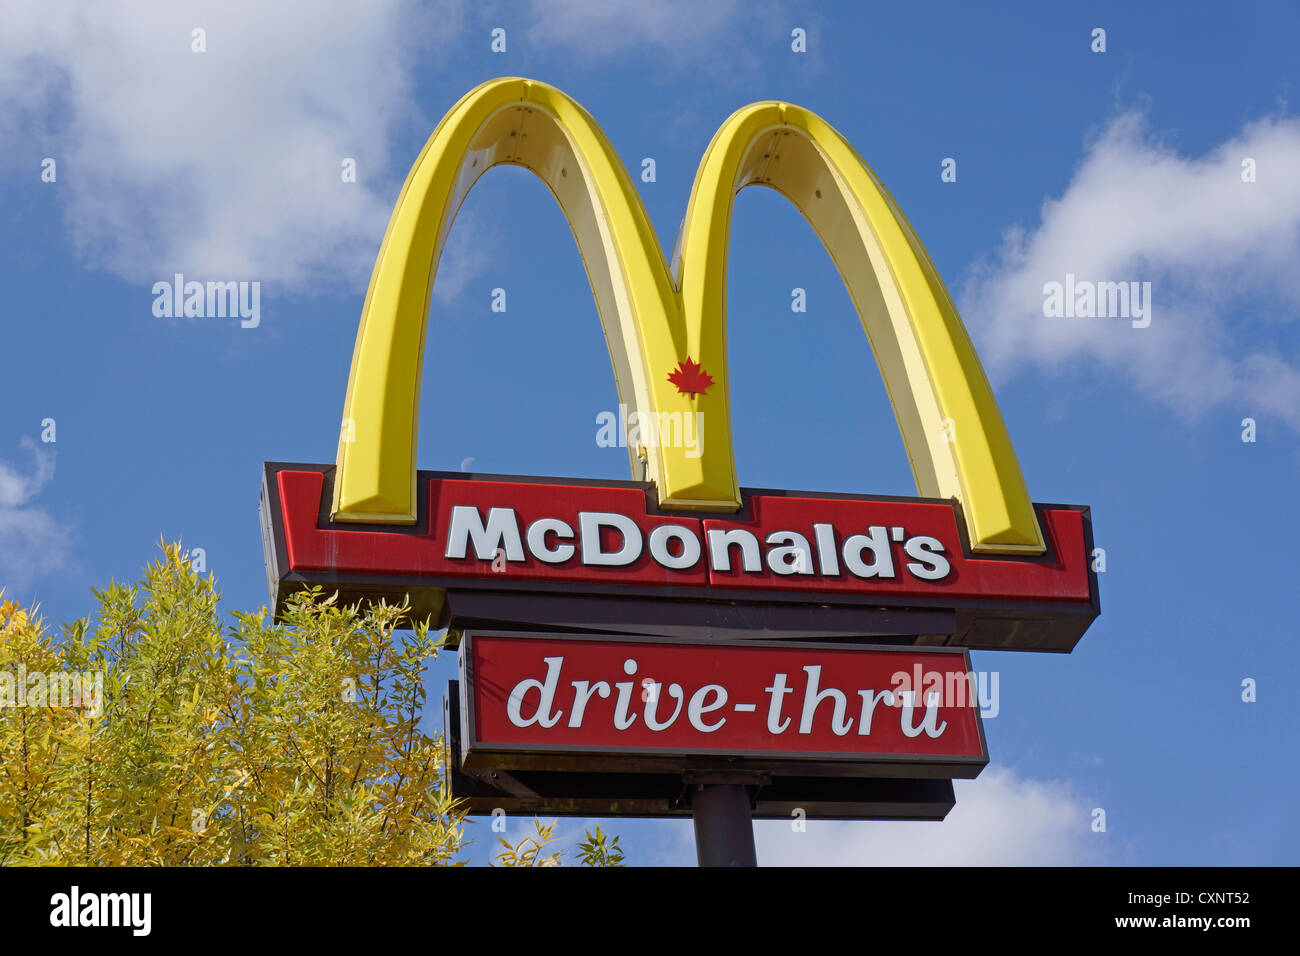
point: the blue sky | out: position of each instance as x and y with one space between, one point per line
1123 165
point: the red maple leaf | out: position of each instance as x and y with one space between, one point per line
690 378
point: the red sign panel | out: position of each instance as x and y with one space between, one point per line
857 710
576 539
603 534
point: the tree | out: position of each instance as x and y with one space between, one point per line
156 737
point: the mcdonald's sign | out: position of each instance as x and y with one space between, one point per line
682 550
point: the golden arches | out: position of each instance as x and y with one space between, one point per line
954 433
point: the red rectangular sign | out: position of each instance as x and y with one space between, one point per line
852 710
557 532
574 538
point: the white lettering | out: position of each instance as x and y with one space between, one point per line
591 523
697 708
500 532
812 697
537 532
720 542
652 705
929 564
664 533
546 690
877 542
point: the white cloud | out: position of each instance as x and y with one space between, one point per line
224 163
31 541
1220 253
1000 819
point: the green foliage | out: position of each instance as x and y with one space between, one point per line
262 744
599 849
283 744
528 851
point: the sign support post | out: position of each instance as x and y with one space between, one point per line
724 825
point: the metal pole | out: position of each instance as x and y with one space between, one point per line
724 825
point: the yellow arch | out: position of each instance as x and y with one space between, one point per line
954 433
950 422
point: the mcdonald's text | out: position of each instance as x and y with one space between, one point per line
677 547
